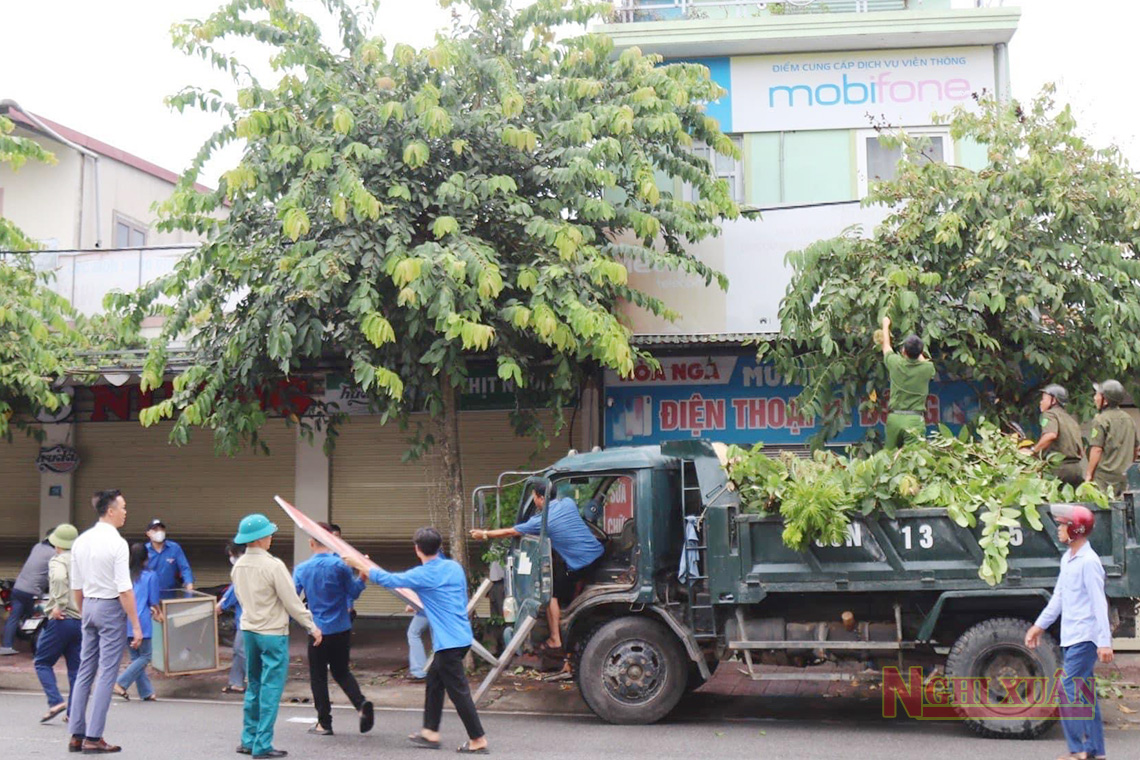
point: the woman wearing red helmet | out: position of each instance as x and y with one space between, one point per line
1079 600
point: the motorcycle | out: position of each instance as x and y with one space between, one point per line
33 622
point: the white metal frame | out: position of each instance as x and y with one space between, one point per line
862 135
735 177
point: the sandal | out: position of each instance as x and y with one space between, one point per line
151 698
547 650
465 749
121 692
233 689
53 711
421 742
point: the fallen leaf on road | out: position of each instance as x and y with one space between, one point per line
719 734
763 732
1126 709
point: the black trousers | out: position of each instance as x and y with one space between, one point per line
446 674
331 656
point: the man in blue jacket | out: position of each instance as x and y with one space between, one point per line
167 559
441 585
329 586
581 553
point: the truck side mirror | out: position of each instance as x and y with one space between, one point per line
480 509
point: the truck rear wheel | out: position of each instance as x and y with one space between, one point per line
993 650
632 671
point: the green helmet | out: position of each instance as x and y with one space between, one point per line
1112 391
1058 392
254 527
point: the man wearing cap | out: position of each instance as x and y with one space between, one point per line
30 583
61 634
1086 636
1113 440
265 591
104 594
1060 434
167 559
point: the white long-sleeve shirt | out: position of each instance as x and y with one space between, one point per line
1079 600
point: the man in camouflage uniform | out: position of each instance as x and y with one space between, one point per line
1060 434
1113 439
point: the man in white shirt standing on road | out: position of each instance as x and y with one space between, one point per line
1086 637
101 580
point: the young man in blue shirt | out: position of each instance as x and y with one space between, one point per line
580 551
441 585
166 559
329 587
1086 637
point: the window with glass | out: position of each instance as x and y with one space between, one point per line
129 233
879 162
726 167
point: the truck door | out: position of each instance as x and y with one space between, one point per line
533 572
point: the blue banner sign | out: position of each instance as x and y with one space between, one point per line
735 400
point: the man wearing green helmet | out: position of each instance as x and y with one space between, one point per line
1060 434
1113 439
264 588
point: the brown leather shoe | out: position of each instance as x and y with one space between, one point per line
99 747
76 744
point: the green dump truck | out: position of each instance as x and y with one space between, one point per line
900 591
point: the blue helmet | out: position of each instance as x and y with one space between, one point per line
253 527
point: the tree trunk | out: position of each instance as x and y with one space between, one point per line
447 438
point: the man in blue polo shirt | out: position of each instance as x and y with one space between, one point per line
167 559
441 585
329 586
580 551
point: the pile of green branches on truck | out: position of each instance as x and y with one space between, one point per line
979 475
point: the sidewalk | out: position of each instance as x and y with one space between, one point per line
380 664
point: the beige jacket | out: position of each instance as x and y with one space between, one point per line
59 587
267 596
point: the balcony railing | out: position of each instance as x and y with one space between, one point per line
675 10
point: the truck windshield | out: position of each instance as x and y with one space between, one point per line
606 501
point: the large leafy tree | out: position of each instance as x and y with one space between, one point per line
1017 275
402 212
37 336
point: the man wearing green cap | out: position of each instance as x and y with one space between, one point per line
264 588
62 634
1113 440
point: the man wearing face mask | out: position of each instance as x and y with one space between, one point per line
167 559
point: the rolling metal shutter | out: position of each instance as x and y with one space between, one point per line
19 501
199 495
378 500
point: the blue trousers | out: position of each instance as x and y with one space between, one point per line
22 605
136 671
417 655
104 639
1082 732
267 665
237 669
59 638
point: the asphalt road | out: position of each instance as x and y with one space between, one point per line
188 730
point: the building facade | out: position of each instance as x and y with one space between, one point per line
809 88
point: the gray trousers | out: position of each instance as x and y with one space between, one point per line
104 639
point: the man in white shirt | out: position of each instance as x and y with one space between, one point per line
1086 636
101 580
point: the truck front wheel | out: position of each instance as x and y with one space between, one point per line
632 671
993 655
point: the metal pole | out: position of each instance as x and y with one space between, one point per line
521 635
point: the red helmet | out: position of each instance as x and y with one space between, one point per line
1079 519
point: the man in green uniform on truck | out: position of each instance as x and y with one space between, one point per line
910 373
1113 440
1060 434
